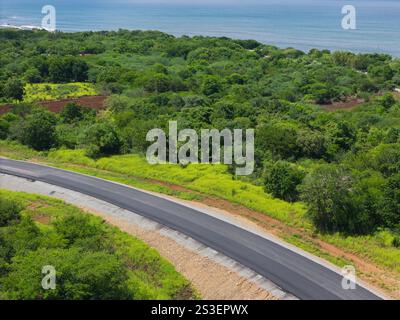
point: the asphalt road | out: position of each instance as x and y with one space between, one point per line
291 271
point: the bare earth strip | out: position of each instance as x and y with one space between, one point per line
93 102
215 276
385 280
211 279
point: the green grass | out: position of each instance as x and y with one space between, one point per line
377 248
216 181
150 275
208 179
50 91
311 247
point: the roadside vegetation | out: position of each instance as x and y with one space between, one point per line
92 259
198 182
334 175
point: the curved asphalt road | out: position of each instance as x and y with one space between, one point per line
289 270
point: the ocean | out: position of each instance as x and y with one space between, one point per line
302 24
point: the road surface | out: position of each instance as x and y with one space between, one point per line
293 272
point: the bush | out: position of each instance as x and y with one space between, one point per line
282 181
13 89
211 85
340 201
101 139
39 130
391 208
278 137
4 128
158 82
67 69
388 101
396 242
9 211
79 275
73 112
77 229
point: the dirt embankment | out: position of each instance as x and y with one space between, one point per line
343 105
352 103
385 280
211 279
93 102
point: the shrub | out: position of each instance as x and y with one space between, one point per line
388 101
101 139
4 128
76 227
73 112
39 130
9 211
13 89
79 275
282 181
341 201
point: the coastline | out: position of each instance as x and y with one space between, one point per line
22 27
34 28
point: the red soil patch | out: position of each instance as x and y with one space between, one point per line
93 102
5 108
345 105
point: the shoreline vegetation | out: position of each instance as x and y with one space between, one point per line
328 181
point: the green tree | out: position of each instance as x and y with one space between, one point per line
79 276
101 139
32 75
322 93
279 137
327 193
340 136
157 82
13 89
73 112
211 85
282 180
388 101
39 130
340 201
76 228
384 158
4 128
9 211
311 143
392 201
66 69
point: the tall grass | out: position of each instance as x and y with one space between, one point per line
208 179
50 91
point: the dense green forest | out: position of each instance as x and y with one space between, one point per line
344 165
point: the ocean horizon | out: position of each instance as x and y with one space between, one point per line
303 24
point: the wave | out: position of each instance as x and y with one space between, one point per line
22 27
